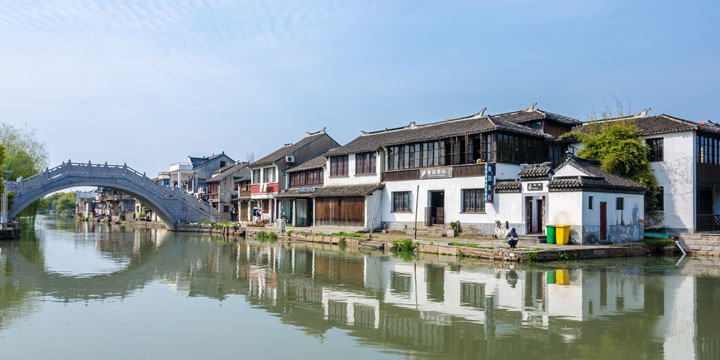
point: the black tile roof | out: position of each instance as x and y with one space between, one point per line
314 163
526 116
469 125
507 186
238 171
657 124
597 179
333 191
197 161
535 171
289 149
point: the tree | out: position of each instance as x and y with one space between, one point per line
622 152
66 202
24 155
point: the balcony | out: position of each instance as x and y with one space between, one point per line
264 188
401 175
469 170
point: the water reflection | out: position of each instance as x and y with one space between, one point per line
628 308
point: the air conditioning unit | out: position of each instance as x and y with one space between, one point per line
289 159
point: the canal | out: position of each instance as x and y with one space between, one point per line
91 291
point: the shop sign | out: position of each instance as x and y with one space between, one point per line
489 182
535 186
436 173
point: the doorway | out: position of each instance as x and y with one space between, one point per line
437 207
534 214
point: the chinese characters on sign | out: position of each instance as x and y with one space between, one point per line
436 173
489 182
535 186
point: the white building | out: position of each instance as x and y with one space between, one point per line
685 157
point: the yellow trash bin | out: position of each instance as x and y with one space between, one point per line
562 277
562 234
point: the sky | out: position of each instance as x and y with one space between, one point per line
150 82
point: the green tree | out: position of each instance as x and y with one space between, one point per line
66 202
24 155
622 152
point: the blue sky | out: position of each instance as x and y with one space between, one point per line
150 82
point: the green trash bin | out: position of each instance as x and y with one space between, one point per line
551 277
550 233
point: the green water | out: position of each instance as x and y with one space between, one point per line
84 291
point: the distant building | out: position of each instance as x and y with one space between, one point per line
191 176
222 188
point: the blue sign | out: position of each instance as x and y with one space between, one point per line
489 182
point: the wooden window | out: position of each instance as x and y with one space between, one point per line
365 163
339 165
307 177
473 200
269 175
656 149
661 198
619 203
401 201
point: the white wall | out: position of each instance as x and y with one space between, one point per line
676 175
506 207
565 208
352 178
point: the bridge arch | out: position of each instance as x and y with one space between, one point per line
172 205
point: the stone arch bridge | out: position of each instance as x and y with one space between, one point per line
172 205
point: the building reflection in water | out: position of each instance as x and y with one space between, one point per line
637 308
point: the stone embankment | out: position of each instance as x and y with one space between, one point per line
495 252
701 244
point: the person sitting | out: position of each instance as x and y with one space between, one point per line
512 237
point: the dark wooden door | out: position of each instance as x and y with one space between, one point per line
603 221
528 215
540 214
437 207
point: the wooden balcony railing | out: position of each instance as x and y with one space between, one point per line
401 175
468 170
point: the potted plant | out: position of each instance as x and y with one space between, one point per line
453 231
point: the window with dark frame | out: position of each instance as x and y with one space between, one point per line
590 202
656 149
661 198
307 177
473 200
707 149
365 163
401 201
619 203
339 165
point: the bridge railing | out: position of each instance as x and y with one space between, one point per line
123 171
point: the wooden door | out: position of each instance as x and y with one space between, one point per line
528 215
540 215
603 221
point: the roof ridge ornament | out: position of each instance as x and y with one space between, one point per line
412 125
479 114
644 112
530 108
